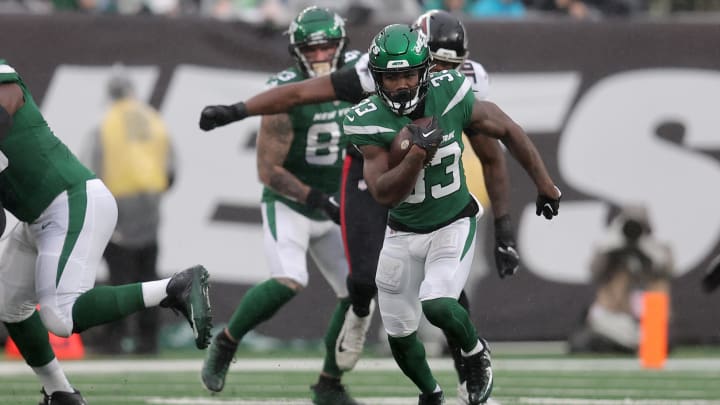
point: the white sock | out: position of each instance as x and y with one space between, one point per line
53 378
154 292
437 388
477 349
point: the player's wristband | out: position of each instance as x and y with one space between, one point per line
503 228
5 122
239 111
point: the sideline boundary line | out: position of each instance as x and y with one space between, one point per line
110 366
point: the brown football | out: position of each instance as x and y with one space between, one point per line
403 142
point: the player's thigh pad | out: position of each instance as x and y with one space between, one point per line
286 238
398 279
449 259
71 235
326 249
17 276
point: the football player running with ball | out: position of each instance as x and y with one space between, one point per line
299 159
429 242
67 216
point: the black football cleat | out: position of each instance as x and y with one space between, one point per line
62 398
479 375
435 398
188 294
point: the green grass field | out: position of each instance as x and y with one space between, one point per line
689 378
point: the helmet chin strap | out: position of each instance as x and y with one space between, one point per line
404 98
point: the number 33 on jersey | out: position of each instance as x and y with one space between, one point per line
441 190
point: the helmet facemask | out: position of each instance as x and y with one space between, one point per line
313 27
405 100
319 67
400 49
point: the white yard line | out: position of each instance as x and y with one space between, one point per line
406 401
285 401
443 364
574 401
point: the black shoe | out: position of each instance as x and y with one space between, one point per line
188 294
436 398
62 398
479 375
217 362
329 391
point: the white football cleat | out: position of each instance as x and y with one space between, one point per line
462 394
351 340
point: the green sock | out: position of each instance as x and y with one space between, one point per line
31 338
104 304
409 353
258 305
331 335
448 315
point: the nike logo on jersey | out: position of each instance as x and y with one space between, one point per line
45 225
350 118
333 202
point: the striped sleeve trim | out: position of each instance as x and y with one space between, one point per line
366 129
6 69
459 95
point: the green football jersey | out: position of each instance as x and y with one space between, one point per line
317 150
36 166
441 191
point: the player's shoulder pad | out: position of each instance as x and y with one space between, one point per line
363 72
365 117
288 75
448 80
352 56
478 76
7 73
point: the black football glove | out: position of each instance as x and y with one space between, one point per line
316 199
711 280
507 259
547 206
214 116
428 138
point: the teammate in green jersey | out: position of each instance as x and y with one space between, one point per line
299 160
429 244
66 218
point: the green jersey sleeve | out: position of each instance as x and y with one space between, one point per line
7 73
452 98
38 166
370 122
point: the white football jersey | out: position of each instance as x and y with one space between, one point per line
471 69
478 77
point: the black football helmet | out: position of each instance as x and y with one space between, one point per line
445 36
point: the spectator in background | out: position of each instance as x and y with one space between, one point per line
270 13
133 156
479 8
576 9
626 263
590 10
